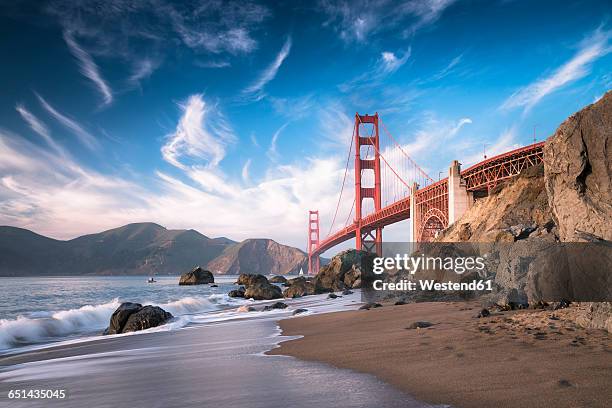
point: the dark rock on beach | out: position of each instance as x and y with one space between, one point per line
197 276
145 318
299 287
263 291
332 296
277 279
121 315
298 311
248 279
419 325
369 306
344 271
130 317
276 305
236 293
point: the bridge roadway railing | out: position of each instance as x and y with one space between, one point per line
480 176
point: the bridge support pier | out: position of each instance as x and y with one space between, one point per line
313 242
459 198
414 224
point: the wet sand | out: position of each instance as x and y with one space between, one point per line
220 363
510 359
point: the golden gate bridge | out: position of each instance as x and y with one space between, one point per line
391 187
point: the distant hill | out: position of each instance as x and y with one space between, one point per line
133 249
142 249
259 256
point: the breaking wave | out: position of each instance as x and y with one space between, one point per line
49 326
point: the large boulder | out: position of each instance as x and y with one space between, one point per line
263 291
236 293
145 318
121 315
278 279
299 287
197 276
131 317
578 173
247 280
344 271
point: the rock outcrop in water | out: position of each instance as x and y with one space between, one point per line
299 287
343 271
130 317
257 287
197 276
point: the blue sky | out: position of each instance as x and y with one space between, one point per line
234 118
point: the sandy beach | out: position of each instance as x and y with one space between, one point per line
217 362
509 359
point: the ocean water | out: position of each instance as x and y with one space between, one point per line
212 354
49 309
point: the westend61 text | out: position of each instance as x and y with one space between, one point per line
428 285
413 263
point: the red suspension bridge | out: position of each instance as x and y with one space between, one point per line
391 187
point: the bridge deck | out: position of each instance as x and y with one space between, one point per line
480 176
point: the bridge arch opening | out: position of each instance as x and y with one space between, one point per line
434 221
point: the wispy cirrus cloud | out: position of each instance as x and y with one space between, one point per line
89 68
357 20
201 134
391 62
272 152
64 198
38 127
245 171
385 65
590 50
143 69
449 68
255 91
86 138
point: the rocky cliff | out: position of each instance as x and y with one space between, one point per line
568 199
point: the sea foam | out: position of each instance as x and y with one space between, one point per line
48 326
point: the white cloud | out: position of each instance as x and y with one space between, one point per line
272 152
506 141
449 68
245 171
54 196
385 65
35 124
86 138
592 48
293 108
212 64
201 134
255 91
336 127
254 140
88 67
358 20
142 69
391 63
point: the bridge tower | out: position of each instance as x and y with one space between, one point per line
367 239
313 242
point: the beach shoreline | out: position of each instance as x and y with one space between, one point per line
220 361
531 358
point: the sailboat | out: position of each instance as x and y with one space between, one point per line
301 272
